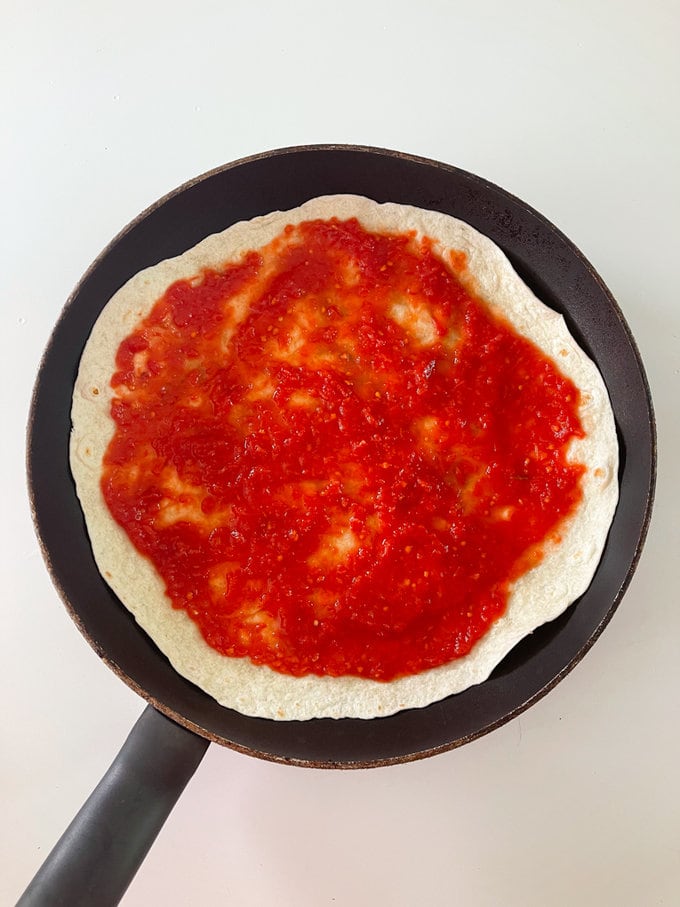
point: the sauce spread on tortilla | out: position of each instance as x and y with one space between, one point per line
338 459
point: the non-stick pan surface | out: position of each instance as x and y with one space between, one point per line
544 258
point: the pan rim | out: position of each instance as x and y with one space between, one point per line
427 751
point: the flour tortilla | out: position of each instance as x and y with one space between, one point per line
539 596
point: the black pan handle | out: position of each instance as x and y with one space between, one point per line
98 855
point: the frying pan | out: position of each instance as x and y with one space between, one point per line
105 844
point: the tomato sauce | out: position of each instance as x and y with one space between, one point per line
337 458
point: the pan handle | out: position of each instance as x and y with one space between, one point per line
98 855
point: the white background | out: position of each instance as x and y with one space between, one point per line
572 106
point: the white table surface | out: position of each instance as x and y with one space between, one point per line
572 106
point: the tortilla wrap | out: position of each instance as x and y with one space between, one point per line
540 595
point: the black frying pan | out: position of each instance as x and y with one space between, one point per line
161 755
